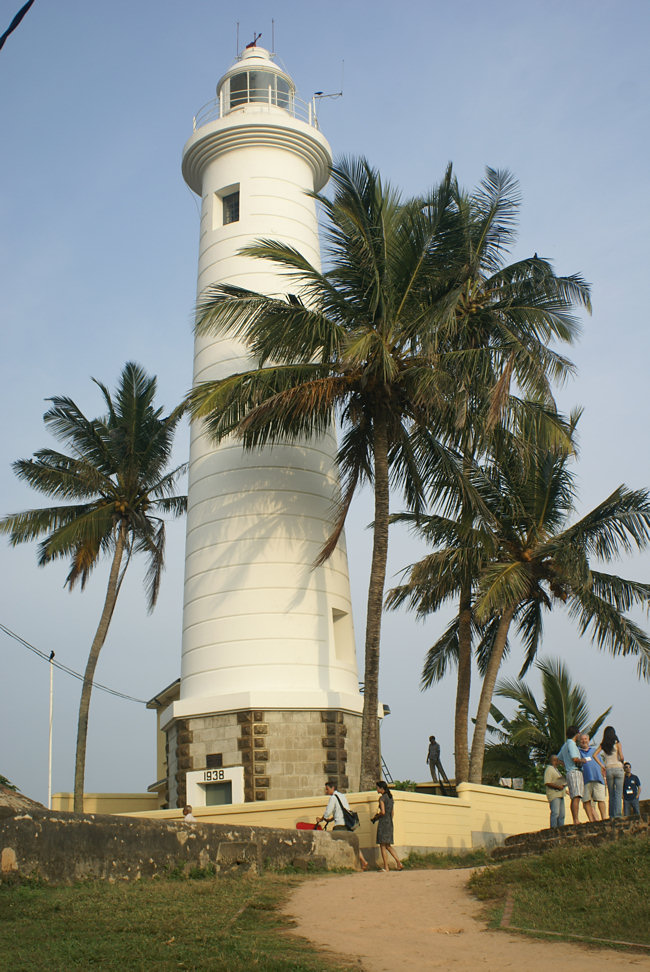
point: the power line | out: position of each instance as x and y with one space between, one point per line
14 23
49 658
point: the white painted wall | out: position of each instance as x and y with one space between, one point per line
261 629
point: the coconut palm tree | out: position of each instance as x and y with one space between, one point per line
537 729
393 338
514 311
544 561
525 557
356 342
116 476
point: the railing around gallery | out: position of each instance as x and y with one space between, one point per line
259 99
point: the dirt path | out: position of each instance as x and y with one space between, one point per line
419 920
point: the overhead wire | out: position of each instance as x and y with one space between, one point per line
49 658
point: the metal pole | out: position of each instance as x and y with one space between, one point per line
49 768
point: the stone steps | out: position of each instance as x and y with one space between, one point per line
574 835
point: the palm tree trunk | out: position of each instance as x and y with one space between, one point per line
485 701
93 657
463 684
370 755
464 674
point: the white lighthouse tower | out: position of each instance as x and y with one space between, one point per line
269 703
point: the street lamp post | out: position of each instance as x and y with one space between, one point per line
49 767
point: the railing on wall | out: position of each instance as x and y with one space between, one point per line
257 99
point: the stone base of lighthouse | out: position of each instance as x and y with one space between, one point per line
257 754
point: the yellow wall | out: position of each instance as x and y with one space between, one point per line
479 815
500 812
137 803
423 822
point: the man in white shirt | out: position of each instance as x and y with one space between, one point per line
333 810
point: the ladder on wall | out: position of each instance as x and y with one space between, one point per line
387 775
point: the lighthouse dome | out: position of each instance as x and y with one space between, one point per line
255 78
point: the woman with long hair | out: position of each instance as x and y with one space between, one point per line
613 762
384 816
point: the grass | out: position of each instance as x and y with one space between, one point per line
600 892
222 925
232 924
473 858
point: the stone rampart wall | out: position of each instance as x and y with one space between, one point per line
67 847
573 835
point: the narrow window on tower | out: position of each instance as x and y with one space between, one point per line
225 208
231 208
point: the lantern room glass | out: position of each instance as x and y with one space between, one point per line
259 86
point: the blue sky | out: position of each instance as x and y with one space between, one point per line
98 266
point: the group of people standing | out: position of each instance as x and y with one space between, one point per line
383 818
594 776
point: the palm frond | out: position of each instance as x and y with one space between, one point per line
441 656
610 629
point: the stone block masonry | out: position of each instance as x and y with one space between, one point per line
285 753
61 848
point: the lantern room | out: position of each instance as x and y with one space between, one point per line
255 79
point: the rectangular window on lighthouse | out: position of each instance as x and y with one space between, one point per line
231 208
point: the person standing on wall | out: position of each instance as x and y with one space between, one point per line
631 792
613 761
570 757
593 778
433 759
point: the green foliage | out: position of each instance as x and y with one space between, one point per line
522 744
114 489
5 782
596 892
116 471
415 315
408 785
541 559
528 556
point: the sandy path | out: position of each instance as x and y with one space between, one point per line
417 920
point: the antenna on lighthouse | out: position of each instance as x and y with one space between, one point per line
336 94
272 36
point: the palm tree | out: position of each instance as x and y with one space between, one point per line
117 474
414 315
543 561
358 342
524 557
461 544
537 729
513 311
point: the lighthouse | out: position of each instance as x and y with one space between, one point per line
268 704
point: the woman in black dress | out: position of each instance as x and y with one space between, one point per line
384 816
